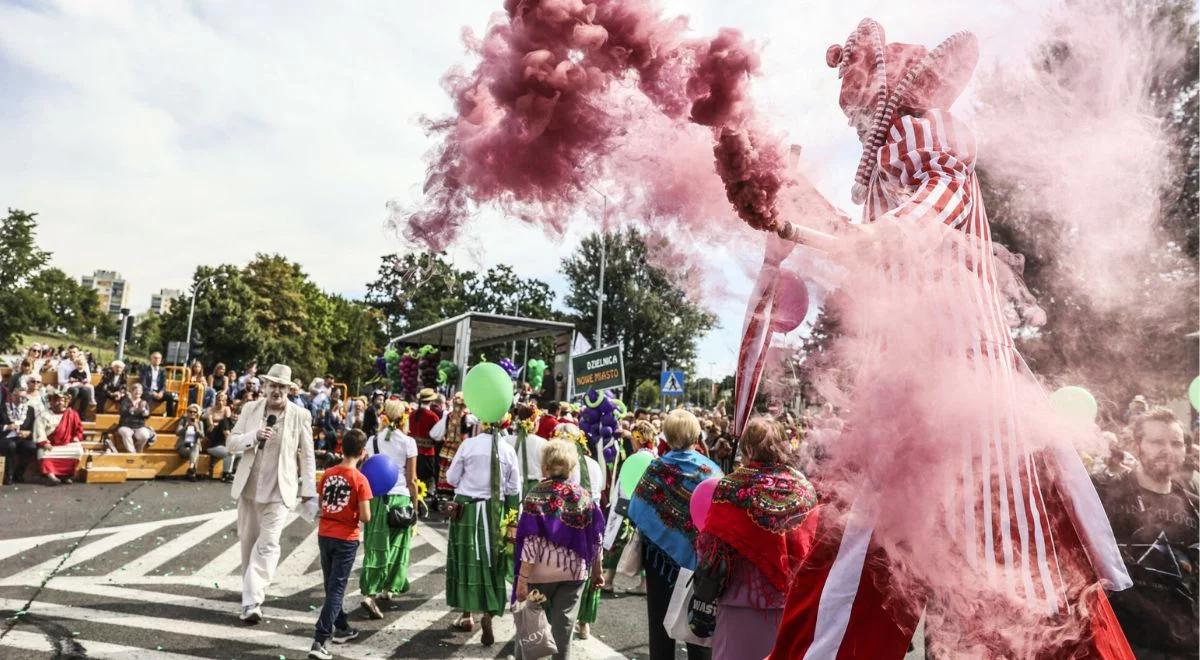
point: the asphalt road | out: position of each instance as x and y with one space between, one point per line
155 577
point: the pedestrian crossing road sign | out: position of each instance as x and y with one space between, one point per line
671 383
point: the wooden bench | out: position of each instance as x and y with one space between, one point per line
151 464
107 424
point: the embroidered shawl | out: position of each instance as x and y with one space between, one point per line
755 517
659 507
567 522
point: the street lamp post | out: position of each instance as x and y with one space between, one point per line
603 267
187 349
124 327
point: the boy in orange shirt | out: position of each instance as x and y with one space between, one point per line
345 498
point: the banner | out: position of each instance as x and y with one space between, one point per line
601 369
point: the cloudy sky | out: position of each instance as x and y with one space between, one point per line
152 137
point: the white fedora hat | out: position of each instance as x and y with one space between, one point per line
279 373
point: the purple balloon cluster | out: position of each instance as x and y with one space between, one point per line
508 367
599 421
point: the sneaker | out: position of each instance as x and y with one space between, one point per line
343 636
251 614
318 652
68 480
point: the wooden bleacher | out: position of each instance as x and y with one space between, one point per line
158 460
99 465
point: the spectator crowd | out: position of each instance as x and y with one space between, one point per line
1147 480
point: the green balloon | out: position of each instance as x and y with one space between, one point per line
632 470
488 392
1075 403
1194 392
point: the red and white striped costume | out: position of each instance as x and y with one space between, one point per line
1028 520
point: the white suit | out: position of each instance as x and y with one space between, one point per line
265 487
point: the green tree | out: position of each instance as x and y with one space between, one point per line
147 334
647 394
225 327
357 337
416 290
501 291
700 391
64 305
20 261
644 307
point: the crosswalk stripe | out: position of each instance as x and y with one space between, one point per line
226 563
10 547
164 553
432 537
28 641
258 636
121 586
300 558
88 551
88 586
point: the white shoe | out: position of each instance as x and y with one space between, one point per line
318 652
251 614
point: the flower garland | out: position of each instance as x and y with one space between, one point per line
508 526
574 435
502 424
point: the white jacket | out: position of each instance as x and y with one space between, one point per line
296 435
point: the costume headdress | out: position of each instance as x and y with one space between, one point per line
888 77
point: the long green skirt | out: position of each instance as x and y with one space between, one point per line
385 550
589 603
472 585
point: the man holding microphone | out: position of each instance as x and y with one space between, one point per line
269 433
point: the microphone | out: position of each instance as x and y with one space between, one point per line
270 422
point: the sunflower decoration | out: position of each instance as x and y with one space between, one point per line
421 490
500 425
644 436
508 537
403 425
573 435
529 425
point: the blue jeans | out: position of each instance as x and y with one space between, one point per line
337 560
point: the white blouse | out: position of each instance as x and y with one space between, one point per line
595 473
471 470
533 451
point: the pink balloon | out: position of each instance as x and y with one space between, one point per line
791 302
701 501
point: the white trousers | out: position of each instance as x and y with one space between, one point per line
259 526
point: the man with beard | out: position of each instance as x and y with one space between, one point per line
1154 518
269 433
57 432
